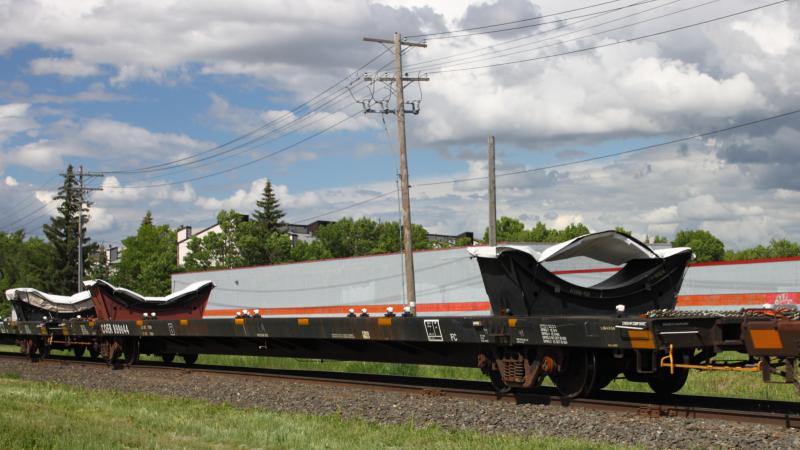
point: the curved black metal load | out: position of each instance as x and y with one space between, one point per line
518 283
30 305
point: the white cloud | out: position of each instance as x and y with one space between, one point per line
100 220
63 66
15 118
774 36
10 181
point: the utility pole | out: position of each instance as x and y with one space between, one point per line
492 196
82 190
399 80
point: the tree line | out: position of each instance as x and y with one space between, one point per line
150 256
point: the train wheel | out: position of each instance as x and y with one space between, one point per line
606 371
30 348
79 351
110 351
130 350
497 382
189 359
168 357
93 353
577 374
664 383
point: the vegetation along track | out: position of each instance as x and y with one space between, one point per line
779 413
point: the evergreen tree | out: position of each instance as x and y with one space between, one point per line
62 233
268 212
147 219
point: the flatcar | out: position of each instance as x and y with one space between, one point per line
541 325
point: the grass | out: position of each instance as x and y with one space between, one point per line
54 416
717 384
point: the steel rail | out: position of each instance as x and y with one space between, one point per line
769 412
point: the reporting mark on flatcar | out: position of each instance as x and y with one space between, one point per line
115 328
433 330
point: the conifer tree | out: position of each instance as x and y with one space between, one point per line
147 219
268 212
62 232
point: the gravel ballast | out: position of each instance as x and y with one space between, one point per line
395 407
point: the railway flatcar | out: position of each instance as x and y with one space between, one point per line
539 325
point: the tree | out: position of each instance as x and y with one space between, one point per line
309 251
216 249
268 211
240 243
148 218
705 245
149 259
62 233
348 237
623 231
513 230
780 248
23 263
660 240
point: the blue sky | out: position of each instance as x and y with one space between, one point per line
115 85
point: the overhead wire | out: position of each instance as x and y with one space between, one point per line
250 133
498 48
599 46
564 164
239 166
428 35
539 24
620 153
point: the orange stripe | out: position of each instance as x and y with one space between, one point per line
760 298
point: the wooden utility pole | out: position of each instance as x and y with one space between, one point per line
399 80
492 196
82 190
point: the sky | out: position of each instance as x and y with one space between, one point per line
188 107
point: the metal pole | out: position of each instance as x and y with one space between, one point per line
408 244
80 231
492 196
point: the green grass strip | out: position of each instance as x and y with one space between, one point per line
37 415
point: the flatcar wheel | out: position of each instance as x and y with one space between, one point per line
30 348
168 357
130 350
497 383
110 351
93 354
189 359
79 351
577 374
606 372
664 383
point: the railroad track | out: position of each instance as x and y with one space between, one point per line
779 413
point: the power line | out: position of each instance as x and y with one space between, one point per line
513 21
538 24
495 48
350 206
250 145
595 47
624 152
231 169
568 163
250 133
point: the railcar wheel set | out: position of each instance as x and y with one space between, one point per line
581 338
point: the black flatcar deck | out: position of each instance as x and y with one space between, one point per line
513 351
